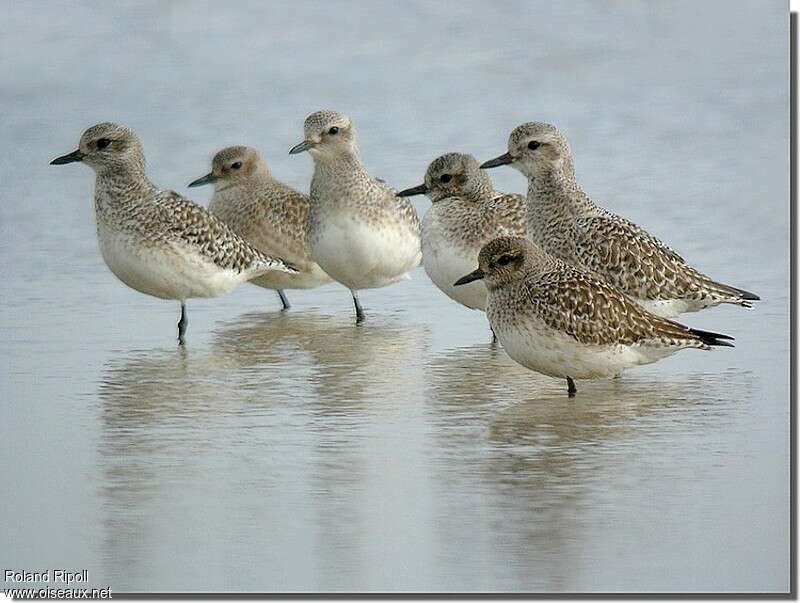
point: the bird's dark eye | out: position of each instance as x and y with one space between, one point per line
236 165
102 143
445 178
334 130
504 259
533 145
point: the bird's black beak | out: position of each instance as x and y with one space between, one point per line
475 275
416 190
207 179
504 159
299 148
76 155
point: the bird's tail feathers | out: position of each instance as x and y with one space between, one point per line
713 339
272 264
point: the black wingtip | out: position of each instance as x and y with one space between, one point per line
747 295
713 339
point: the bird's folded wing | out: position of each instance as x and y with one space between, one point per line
505 215
593 313
621 253
187 222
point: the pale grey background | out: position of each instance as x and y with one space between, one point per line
296 452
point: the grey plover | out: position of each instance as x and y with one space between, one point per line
466 213
156 241
563 322
267 213
360 232
566 223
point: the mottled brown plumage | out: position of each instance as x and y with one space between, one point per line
564 322
167 218
270 215
587 309
565 222
466 213
155 241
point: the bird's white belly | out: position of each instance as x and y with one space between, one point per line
445 264
559 355
164 271
307 279
669 308
363 256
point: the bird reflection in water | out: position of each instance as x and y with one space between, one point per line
276 399
344 367
513 446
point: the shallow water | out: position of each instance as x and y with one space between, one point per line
285 452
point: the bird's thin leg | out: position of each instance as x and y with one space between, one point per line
284 299
571 389
359 310
182 324
493 345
